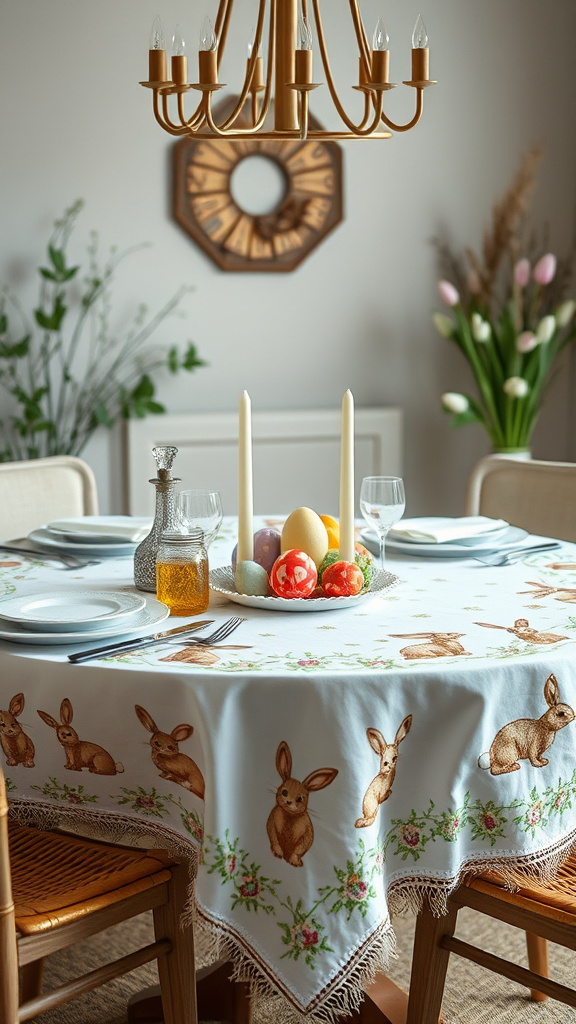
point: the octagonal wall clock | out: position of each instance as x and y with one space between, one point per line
310 207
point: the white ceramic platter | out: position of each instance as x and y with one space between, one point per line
141 624
509 538
67 611
222 582
46 539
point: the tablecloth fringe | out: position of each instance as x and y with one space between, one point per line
268 1007
407 895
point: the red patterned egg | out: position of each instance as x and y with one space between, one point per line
342 579
293 574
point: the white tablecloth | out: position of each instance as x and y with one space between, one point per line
440 664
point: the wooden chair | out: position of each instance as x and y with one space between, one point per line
538 496
545 910
56 890
34 492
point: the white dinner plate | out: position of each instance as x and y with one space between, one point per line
46 539
142 624
67 611
510 537
101 529
222 582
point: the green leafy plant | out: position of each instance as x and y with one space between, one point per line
510 318
68 370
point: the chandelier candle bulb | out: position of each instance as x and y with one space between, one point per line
157 69
208 67
346 546
420 52
179 62
245 551
303 67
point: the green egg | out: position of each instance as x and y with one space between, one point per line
251 579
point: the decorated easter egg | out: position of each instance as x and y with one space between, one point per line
251 579
266 547
362 558
305 531
342 579
293 574
333 530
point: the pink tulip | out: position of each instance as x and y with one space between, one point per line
522 272
545 269
448 293
526 341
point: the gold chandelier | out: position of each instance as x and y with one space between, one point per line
283 87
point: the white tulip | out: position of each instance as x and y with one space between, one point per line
516 387
545 329
565 312
443 324
454 402
481 329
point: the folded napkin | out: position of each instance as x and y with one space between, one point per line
438 530
130 529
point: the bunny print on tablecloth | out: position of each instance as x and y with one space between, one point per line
524 631
80 753
166 755
528 738
381 786
439 645
17 746
289 824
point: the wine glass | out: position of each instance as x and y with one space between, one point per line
199 508
382 503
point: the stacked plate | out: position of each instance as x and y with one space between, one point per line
440 537
69 616
103 536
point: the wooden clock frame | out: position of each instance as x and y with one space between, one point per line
237 240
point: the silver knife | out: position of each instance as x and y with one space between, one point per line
133 645
44 554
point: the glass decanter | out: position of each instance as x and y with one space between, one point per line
164 519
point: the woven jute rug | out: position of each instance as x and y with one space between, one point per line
472 996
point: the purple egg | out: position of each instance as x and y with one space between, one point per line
266 548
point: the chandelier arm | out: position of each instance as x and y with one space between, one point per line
175 129
248 79
193 123
238 133
415 119
377 101
221 26
361 37
303 115
166 125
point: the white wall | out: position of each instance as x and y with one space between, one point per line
357 312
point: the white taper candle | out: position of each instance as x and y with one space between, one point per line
245 550
346 548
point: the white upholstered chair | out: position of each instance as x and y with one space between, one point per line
34 492
538 496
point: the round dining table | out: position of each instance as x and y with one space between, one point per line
321 770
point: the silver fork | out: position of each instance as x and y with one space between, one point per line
221 633
507 557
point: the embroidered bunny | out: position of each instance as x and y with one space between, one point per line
524 631
440 645
17 746
289 824
80 753
381 786
166 754
528 738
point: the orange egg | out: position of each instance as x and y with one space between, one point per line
333 531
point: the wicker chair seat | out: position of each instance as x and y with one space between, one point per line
59 878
